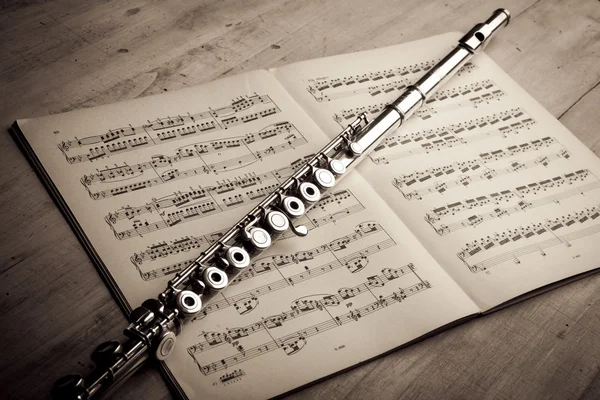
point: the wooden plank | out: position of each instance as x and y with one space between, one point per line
61 55
90 54
551 50
583 119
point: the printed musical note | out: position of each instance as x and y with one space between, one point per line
486 175
471 165
332 207
231 376
188 206
163 249
210 157
516 195
271 263
243 305
242 300
565 239
299 308
480 171
388 80
547 228
500 125
470 95
294 342
153 133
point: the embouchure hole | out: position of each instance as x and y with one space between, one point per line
216 277
480 36
294 205
237 256
310 191
188 301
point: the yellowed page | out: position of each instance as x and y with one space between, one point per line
154 181
503 195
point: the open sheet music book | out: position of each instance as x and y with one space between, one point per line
480 198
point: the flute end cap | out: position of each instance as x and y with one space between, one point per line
505 12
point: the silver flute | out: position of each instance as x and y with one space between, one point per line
155 325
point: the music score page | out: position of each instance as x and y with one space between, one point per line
502 195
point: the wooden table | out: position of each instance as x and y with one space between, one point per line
63 55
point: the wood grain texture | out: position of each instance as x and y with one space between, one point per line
64 55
